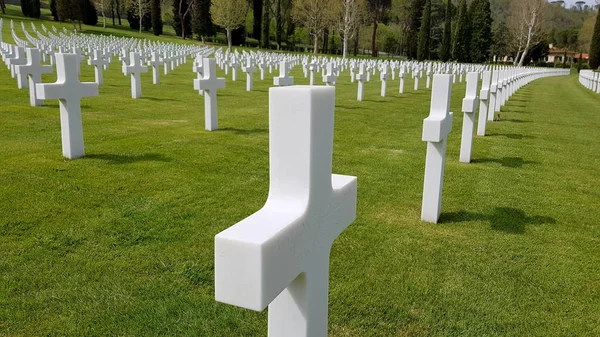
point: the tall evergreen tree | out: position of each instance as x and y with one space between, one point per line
266 25
26 7
447 38
35 9
460 48
415 13
157 25
202 24
424 33
89 15
481 30
595 47
53 10
258 14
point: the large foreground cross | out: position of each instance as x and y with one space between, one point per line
69 91
279 256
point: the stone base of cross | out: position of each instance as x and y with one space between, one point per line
279 256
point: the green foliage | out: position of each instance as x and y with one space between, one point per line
447 38
423 50
31 8
257 14
89 15
53 10
266 25
157 24
182 26
462 38
202 24
595 47
481 31
414 15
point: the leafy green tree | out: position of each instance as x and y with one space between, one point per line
156 15
481 30
423 50
460 48
447 38
595 47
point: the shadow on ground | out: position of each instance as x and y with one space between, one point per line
510 135
127 159
512 162
244 131
504 219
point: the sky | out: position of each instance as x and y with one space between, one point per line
571 2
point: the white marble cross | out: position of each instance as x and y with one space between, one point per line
436 128
98 62
33 71
402 78
69 91
360 78
279 256
19 58
484 96
234 68
262 65
135 69
249 69
469 106
155 63
284 79
416 76
209 83
493 93
384 77
329 78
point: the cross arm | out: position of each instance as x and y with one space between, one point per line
256 259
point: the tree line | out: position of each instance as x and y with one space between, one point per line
446 30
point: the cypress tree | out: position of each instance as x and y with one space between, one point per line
481 31
26 7
177 19
447 38
133 18
258 13
147 21
89 15
53 10
424 33
35 9
595 48
460 48
157 25
266 25
414 25
202 24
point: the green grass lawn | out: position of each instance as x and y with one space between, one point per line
120 243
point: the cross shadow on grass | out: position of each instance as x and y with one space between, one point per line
518 121
511 135
512 162
128 159
504 219
244 131
156 99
